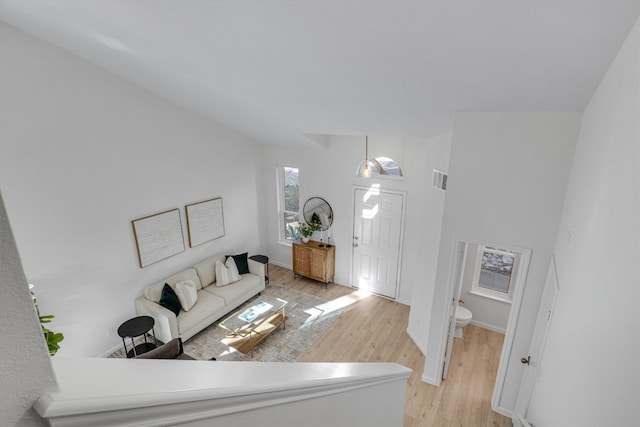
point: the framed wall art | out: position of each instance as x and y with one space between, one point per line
205 221
158 236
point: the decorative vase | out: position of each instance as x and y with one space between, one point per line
306 239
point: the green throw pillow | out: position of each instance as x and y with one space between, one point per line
169 299
241 262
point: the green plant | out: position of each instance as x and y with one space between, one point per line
51 338
293 231
307 230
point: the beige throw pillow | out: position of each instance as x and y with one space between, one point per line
187 294
226 273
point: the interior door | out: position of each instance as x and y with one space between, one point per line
377 233
461 257
533 359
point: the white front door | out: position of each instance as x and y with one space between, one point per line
540 331
377 235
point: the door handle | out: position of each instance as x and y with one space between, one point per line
355 245
526 360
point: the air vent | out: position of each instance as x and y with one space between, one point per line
440 180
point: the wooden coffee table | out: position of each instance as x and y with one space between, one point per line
248 327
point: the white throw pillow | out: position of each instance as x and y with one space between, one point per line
187 294
226 273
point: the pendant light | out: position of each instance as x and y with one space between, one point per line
364 170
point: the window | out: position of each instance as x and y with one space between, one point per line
289 205
386 167
494 269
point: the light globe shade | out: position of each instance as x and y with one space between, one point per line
365 168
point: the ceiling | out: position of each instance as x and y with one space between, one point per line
279 71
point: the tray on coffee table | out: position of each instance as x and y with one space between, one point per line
248 326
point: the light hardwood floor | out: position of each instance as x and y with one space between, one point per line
373 329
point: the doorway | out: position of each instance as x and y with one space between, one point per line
378 220
465 260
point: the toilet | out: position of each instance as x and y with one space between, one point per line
463 317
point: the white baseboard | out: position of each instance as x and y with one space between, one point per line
430 380
110 352
421 347
503 411
488 326
280 264
521 422
404 302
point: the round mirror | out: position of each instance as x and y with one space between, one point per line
317 210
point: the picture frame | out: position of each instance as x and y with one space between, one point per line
205 221
158 236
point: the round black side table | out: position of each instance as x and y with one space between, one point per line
264 260
135 327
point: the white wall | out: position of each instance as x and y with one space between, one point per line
25 366
487 313
331 173
425 216
591 363
527 156
83 153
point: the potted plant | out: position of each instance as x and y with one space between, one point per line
52 338
307 230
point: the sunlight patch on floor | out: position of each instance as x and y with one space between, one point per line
334 305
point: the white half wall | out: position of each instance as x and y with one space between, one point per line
83 153
25 365
330 173
507 178
590 372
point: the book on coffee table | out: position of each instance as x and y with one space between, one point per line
252 312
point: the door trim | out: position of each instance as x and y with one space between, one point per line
401 193
507 347
452 316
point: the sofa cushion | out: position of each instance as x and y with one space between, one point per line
226 273
242 262
169 299
206 307
153 292
207 270
187 294
249 283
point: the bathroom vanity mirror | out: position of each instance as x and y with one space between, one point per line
318 210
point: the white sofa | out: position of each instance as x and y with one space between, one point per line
212 304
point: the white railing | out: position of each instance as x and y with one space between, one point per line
126 392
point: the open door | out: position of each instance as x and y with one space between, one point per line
460 259
534 358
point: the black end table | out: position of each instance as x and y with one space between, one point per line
135 327
264 260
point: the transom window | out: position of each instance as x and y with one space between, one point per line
494 269
386 167
288 190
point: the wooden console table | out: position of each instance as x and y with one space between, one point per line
314 260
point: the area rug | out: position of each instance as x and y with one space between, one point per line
308 316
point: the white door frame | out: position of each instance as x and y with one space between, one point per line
461 258
507 346
353 208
